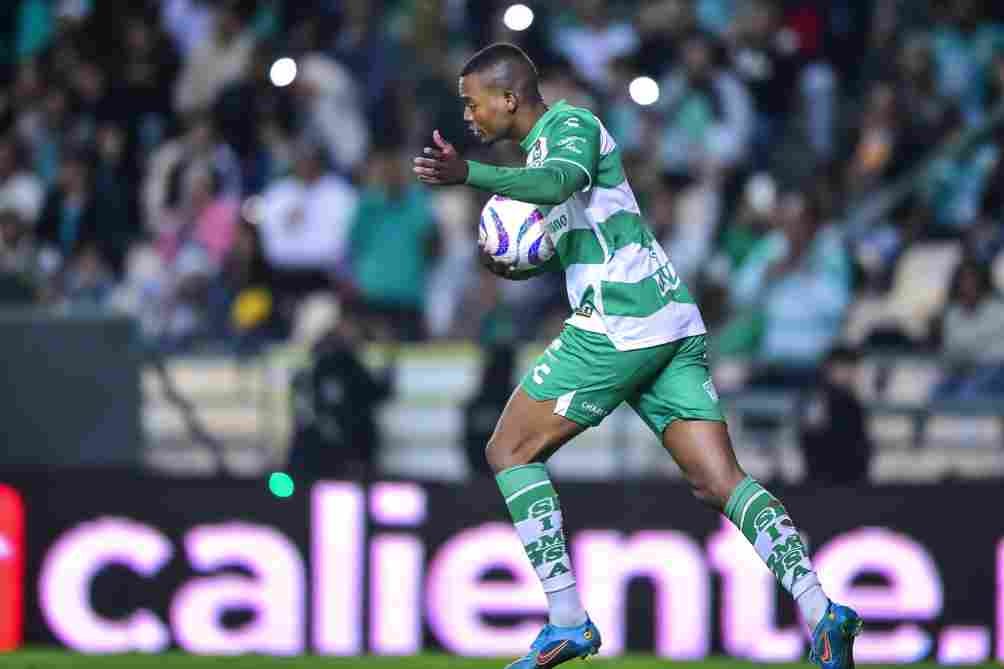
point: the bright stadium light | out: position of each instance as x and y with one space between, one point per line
518 17
644 90
283 72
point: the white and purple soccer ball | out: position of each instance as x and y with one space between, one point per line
513 233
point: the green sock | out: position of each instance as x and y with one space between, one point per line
766 524
533 505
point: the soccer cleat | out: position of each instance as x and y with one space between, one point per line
555 645
833 638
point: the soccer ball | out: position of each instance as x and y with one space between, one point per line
514 233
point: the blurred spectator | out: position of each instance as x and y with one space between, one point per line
878 249
335 399
332 110
18 260
662 27
394 238
242 296
45 124
306 221
878 150
365 47
115 188
832 433
200 147
141 72
189 22
744 232
964 44
929 112
971 338
797 279
205 216
953 186
708 113
21 191
69 218
216 61
254 116
764 55
87 282
708 128
591 39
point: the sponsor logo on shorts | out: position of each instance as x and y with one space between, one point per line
593 409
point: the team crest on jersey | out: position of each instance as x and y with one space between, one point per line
537 153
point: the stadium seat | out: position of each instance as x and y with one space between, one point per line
910 383
965 432
891 432
919 290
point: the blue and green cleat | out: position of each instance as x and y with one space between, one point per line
833 638
555 645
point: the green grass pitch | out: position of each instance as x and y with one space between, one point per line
50 659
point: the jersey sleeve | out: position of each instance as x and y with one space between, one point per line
574 139
548 184
569 160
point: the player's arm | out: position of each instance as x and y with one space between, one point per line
571 156
570 165
549 184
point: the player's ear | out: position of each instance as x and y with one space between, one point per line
511 101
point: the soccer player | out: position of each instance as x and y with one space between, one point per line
635 336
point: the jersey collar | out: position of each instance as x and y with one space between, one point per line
538 127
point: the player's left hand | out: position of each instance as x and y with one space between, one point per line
440 166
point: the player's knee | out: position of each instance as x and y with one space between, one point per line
503 453
499 455
713 489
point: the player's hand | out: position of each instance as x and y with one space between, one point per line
498 268
442 165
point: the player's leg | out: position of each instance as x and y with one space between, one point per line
526 434
573 385
704 452
682 407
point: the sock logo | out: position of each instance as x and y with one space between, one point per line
11 567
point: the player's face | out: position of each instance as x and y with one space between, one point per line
486 110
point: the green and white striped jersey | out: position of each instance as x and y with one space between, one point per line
619 279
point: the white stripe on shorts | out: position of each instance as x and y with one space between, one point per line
565 401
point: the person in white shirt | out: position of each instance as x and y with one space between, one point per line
306 218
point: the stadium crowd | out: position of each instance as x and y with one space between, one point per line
158 158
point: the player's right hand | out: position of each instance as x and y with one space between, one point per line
497 268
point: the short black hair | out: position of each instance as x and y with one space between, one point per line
509 66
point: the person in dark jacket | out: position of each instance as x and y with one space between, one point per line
833 431
335 400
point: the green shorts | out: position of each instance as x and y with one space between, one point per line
589 378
